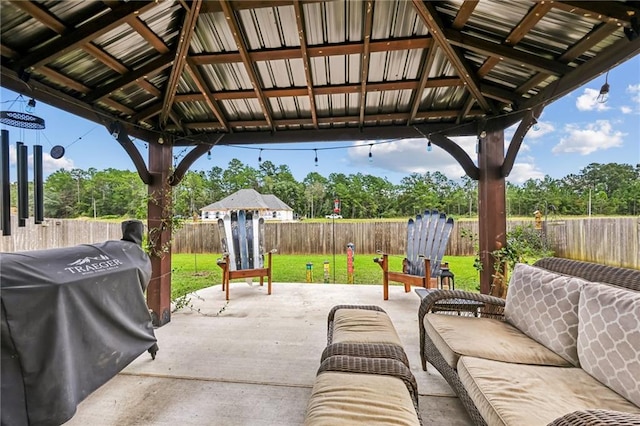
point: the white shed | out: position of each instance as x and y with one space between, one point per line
269 206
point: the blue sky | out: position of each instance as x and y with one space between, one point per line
572 133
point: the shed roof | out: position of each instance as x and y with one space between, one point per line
248 199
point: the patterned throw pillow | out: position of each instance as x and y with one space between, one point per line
544 306
609 338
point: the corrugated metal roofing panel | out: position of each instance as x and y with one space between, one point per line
264 27
242 109
212 35
194 111
394 19
83 67
334 22
126 45
19 29
281 73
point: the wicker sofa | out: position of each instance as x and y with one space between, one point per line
563 349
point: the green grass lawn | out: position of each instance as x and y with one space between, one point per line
191 272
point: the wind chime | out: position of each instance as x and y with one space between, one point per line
21 120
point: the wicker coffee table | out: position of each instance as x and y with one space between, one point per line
451 305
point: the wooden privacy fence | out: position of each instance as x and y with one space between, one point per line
613 241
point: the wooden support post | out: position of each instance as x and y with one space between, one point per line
159 226
492 215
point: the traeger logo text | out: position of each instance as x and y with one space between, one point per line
90 265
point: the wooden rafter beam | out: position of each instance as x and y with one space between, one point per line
316 51
117 106
505 53
595 36
208 97
533 16
145 114
180 60
150 88
464 111
58 99
159 63
63 80
305 60
417 95
464 13
355 119
246 59
338 89
617 53
365 58
212 6
52 22
431 19
83 34
146 33
605 11
41 15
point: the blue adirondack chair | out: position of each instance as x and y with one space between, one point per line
427 238
242 240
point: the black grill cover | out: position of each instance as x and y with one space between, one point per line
72 318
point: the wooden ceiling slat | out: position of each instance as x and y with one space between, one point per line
417 95
208 97
41 15
150 88
157 64
431 19
300 21
84 34
105 58
366 55
146 33
117 106
64 80
506 53
248 64
535 14
180 59
7 52
147 113
335 49
595 36
605 11
463 15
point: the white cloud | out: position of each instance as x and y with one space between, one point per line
594 137
524 170
634 91
588 101
411 156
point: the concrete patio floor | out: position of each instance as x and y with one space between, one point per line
253 361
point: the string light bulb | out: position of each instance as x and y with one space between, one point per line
370 154
209 155
260 157
603 96
429 147
31 105
316 159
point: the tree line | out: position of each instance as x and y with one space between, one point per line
609 189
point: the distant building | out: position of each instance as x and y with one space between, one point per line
269 206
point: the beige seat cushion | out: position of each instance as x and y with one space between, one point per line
359 399
488 338
363 326
522 395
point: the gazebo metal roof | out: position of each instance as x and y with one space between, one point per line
266 71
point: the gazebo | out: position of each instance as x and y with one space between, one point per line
205 73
